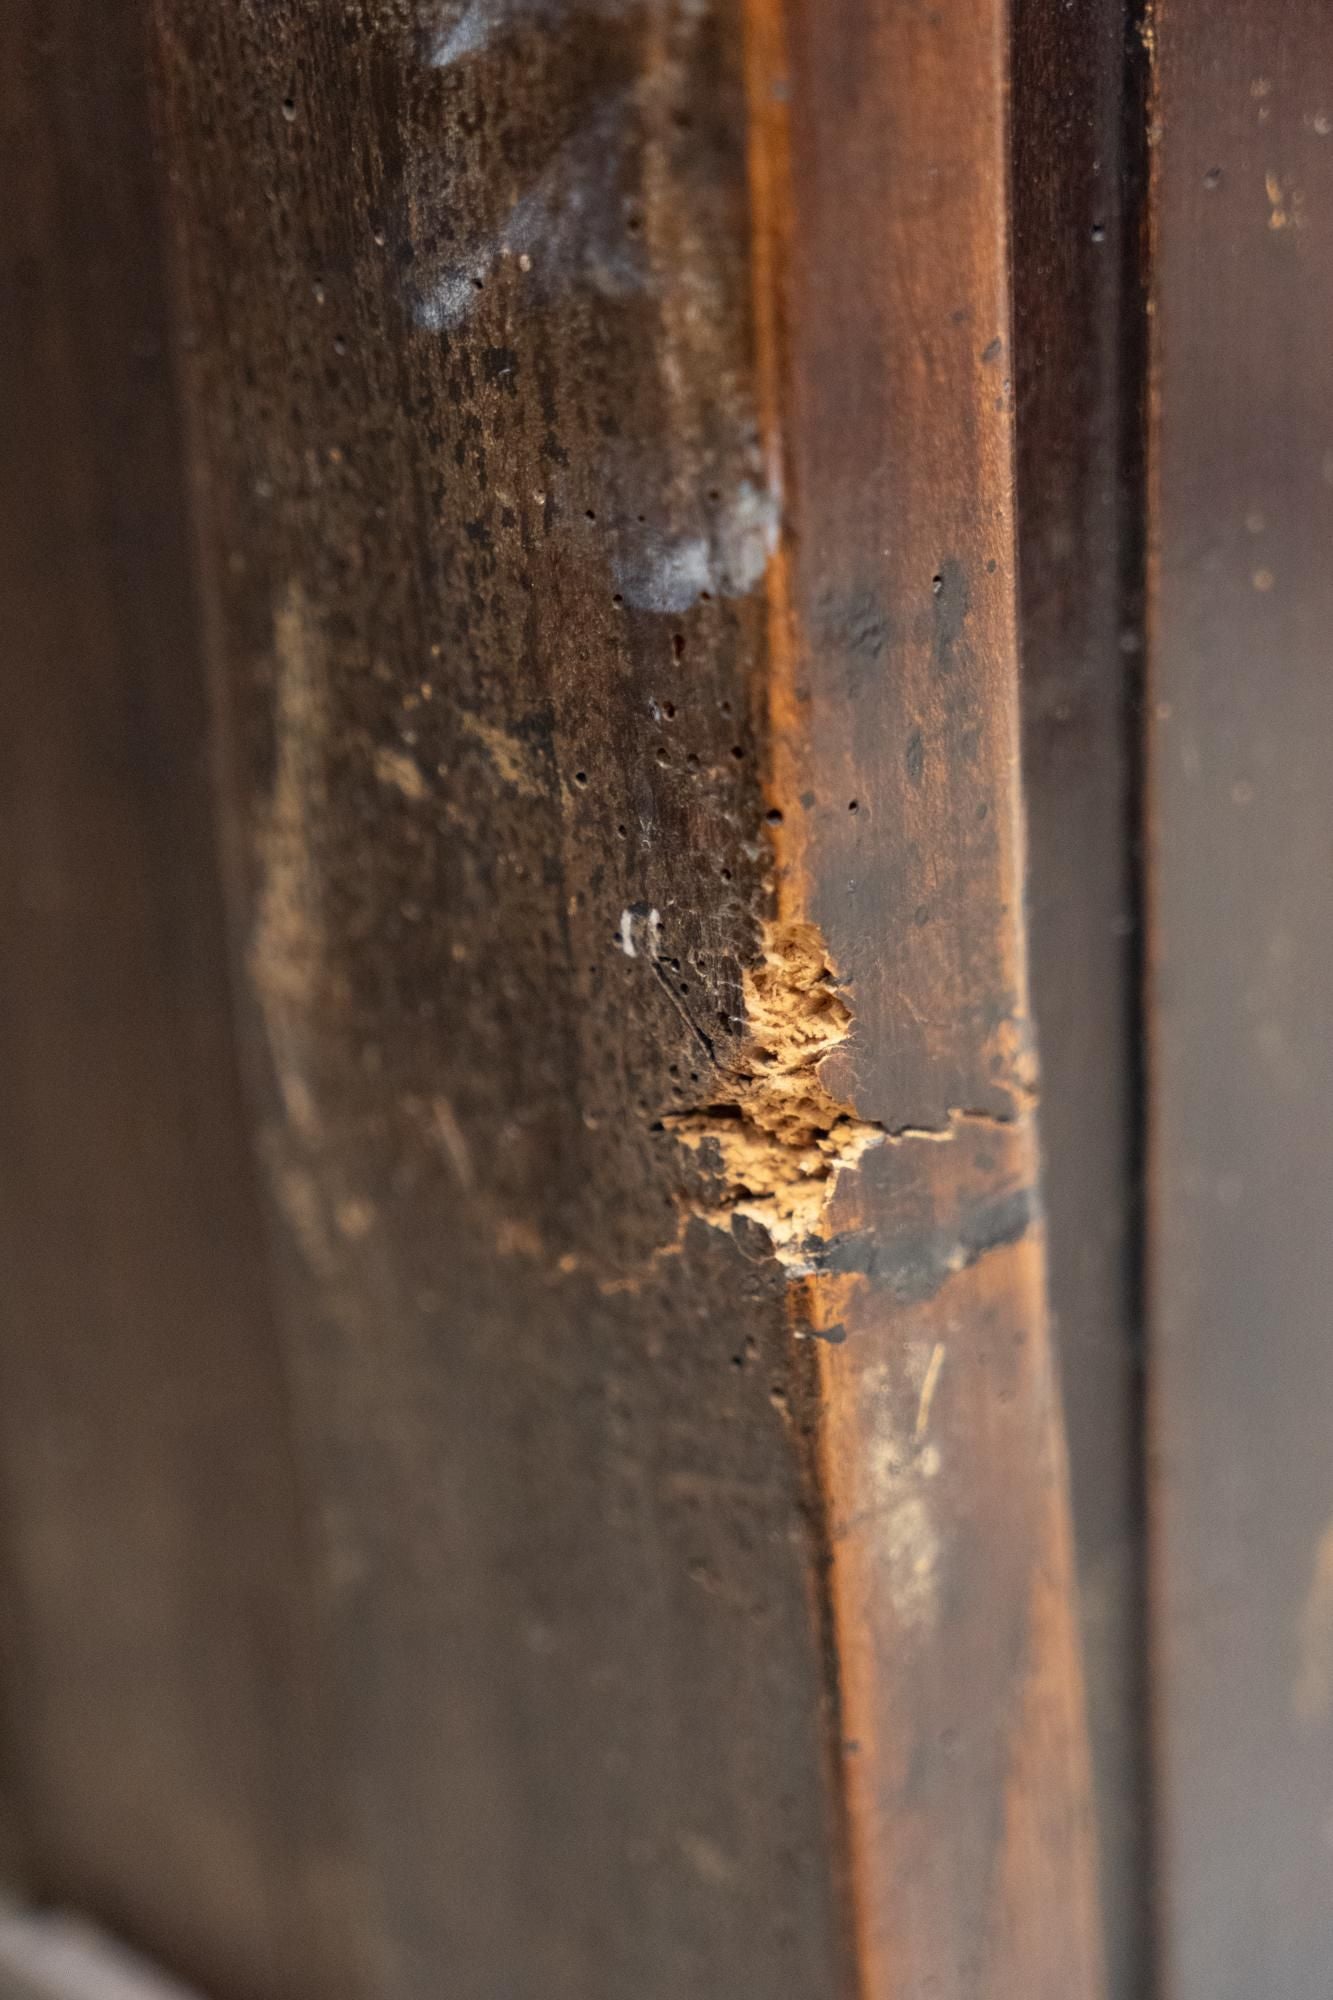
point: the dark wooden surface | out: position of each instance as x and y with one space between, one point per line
467 352
555 1555
1078 368
1241 818
519 527
153 1532
396 763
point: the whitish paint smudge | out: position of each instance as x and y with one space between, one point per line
448 300
640 926
670 575
466 30
569 228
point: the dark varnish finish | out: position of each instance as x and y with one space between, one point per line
534 1462
161 1691
482 509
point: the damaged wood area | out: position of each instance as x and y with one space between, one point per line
895 810
584 956
775 1133
776 1142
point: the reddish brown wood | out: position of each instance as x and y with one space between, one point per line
895 768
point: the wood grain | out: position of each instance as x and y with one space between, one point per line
154 1563
482 505
1242 819
895 768
514 808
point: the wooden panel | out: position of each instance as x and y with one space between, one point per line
1078 369
152 1518
895 772
1242 824
483 509
610 1338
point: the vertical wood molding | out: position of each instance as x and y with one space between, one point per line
883 222
1078 122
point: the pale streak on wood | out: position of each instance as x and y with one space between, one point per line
51 1956
1312 1694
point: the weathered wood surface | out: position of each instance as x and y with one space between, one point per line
1241 817
561 1351
896 770
160 1687
484 656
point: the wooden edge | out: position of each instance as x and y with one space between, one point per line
939 1447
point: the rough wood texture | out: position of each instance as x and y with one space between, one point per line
583 1428
482 505
1242 825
